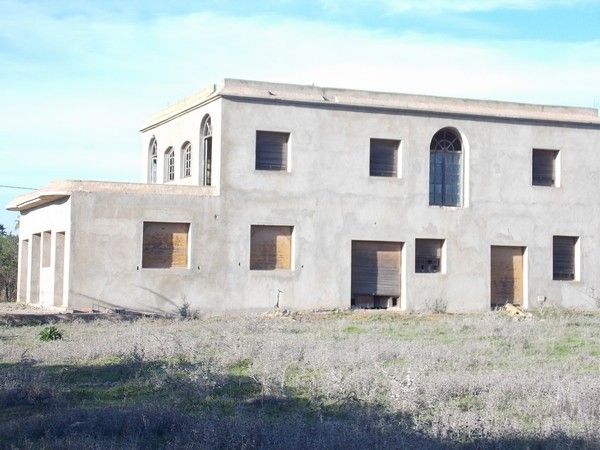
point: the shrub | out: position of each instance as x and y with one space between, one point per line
50 334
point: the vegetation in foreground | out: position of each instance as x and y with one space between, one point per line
335 380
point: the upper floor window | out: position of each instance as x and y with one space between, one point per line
206 143
383 160
445 168
170 164
544 167
153 160
271 150
186 160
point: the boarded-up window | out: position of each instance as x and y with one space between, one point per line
271 150
270 247
507 275
544 167
384 158
165 245
428 255
376 268
563 259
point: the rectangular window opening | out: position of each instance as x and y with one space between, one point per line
564 261
165 245
272 150
428 255
383 159
544 167
271 247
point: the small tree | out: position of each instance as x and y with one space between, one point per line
9 250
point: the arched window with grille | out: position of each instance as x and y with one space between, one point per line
206 145
446 168
169 164
152 161
186 160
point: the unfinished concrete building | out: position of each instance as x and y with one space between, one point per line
256 195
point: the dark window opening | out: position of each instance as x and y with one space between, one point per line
271 150
428 255
544 167
563 257
383 161
445 169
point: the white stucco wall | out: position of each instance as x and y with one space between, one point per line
330 199
54 218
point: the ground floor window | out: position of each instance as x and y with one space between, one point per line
270 247
165 245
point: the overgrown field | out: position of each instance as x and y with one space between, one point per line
334 380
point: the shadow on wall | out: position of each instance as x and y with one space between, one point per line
136 403
170 306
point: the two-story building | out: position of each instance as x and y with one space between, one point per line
257 195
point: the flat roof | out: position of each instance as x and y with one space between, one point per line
58 190
336 97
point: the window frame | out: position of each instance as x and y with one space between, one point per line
153 161
167 222
576 254
292 233
442 258
440 155
286 161
186 160
556 167
169 164
396 150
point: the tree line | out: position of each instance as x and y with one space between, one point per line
9 250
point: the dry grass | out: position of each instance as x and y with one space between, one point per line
335 380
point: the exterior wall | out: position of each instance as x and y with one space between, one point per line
42 283
174 134
107 265
330 199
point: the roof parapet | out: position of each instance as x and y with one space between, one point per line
316 95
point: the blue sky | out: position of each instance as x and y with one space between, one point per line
79 78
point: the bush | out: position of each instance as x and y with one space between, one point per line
50 334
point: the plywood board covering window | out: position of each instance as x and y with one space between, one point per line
271 150
376 268
270 247
428 255
507 275
563 257
165 245
544 167
383 161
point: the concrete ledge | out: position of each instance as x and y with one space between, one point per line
294 93
63 189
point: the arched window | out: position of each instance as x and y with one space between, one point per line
169 164
186 160
152 161
445 168
206 143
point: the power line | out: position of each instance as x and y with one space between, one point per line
18 187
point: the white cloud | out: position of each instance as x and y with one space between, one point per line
78 89
461 6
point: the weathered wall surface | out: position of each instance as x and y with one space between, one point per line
330 199
39 287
